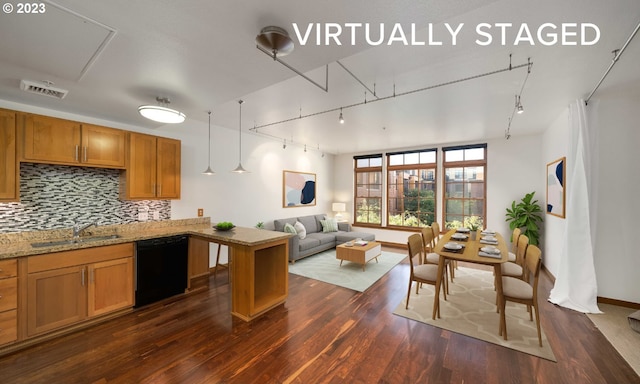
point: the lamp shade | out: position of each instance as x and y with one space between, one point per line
338 207
161 114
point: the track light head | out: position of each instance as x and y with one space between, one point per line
341 119
520 109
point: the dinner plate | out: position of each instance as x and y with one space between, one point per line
490 250
459 236
463 230
489 238
453 246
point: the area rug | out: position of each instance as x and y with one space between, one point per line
470 310
325 267
614 325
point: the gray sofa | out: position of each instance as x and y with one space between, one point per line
316 240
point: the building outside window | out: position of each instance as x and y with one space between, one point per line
411 188
464 192
368 189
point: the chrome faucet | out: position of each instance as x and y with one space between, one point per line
77 229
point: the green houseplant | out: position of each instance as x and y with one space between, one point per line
526 215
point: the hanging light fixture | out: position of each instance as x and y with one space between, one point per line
341 119
209 171
162 113
519 108
239 168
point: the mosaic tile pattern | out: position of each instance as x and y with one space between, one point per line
57 196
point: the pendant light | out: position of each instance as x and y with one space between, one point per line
239 168
209 171
162 113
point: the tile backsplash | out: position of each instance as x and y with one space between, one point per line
57 196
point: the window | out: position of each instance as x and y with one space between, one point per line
368 176
411 188
465 185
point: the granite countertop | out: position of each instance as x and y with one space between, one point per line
20 244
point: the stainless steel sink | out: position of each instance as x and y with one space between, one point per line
80 240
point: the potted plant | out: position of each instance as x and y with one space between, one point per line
526 215
260 225
473 223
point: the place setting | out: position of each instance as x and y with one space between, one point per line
453 247
490 251
488 239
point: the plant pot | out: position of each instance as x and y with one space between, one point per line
473 235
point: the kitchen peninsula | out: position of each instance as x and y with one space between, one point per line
258 268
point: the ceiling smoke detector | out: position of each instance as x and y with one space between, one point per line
44 88
276 40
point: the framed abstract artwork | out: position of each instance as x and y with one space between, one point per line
556 187
298 189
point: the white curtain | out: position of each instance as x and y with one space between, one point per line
576 286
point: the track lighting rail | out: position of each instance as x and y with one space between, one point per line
275 58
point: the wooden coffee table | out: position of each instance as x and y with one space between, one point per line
360 254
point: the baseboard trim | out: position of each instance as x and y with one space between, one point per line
619 303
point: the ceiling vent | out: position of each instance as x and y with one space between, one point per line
44 88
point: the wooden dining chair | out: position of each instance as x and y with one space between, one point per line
521 291
430 257
517 268
514 244
420 273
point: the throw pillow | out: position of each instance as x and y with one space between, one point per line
329 225
302 231
290 229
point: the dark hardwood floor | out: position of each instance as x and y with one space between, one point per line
323 334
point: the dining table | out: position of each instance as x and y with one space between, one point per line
488 248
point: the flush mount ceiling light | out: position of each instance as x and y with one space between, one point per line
162 113
276 40
239 168
209 171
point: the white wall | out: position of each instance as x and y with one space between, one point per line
555 145
512 172
615 116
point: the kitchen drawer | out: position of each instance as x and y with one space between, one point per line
8 326
8 294
8 268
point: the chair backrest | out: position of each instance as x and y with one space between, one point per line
533 262
415 246
435 227
523 242
427 239
515 235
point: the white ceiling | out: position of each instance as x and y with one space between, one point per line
115 55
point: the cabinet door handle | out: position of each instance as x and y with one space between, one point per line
77 147
85 153
82 273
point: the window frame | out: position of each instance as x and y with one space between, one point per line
418 168
362 170
464 164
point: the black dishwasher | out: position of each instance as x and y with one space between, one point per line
161 268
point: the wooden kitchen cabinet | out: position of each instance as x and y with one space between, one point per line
9 186
50 140
66 288
8 301
198 266
153 168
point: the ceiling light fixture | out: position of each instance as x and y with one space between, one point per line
284 144
239 168
519 108
162 113
209 171
276 40
341 119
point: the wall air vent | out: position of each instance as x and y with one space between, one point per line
43 88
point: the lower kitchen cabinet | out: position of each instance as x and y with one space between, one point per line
65 288
8 301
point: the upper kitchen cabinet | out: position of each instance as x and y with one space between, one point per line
153 169
9 189
51 140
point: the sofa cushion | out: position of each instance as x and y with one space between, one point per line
324 238
343 237
329 225
288 228
309 223
300 229
308 243
279 224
